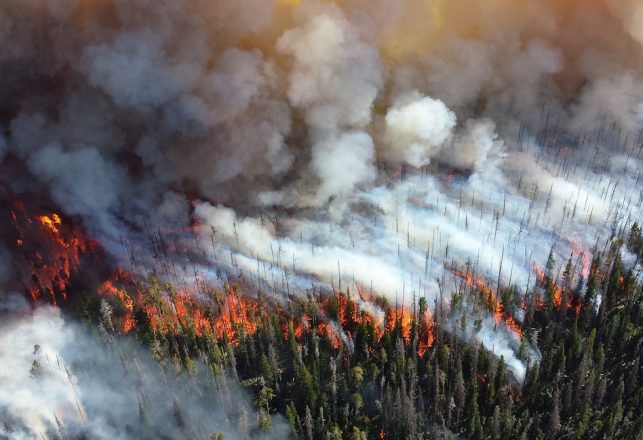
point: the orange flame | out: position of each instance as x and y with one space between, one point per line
325 330
558 292
377 325
128 323
171 312
491 300
52 222
108 288
426 328
237 316
426 333
401 317
52 249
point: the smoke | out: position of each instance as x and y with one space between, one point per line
3 146
477 148
57 380
358 143
82 180
335 76
343 163
618 98
631 14
415 127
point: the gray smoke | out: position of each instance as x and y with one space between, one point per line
359 143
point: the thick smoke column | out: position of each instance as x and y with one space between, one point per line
382 144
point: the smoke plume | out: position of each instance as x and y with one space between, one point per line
317 144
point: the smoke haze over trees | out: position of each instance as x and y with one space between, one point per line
225 162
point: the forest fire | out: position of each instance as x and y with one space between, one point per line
426 332
584 257
193 195
491 301
109 289
230 316
557 293
326 330
52 222
52 251
402 318
237 315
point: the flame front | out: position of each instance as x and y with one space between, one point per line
558 292
52 249
491 301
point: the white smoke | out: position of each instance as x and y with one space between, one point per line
343 163
335 76
416 127
477 148
55 376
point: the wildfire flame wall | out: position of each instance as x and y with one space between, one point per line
378 146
